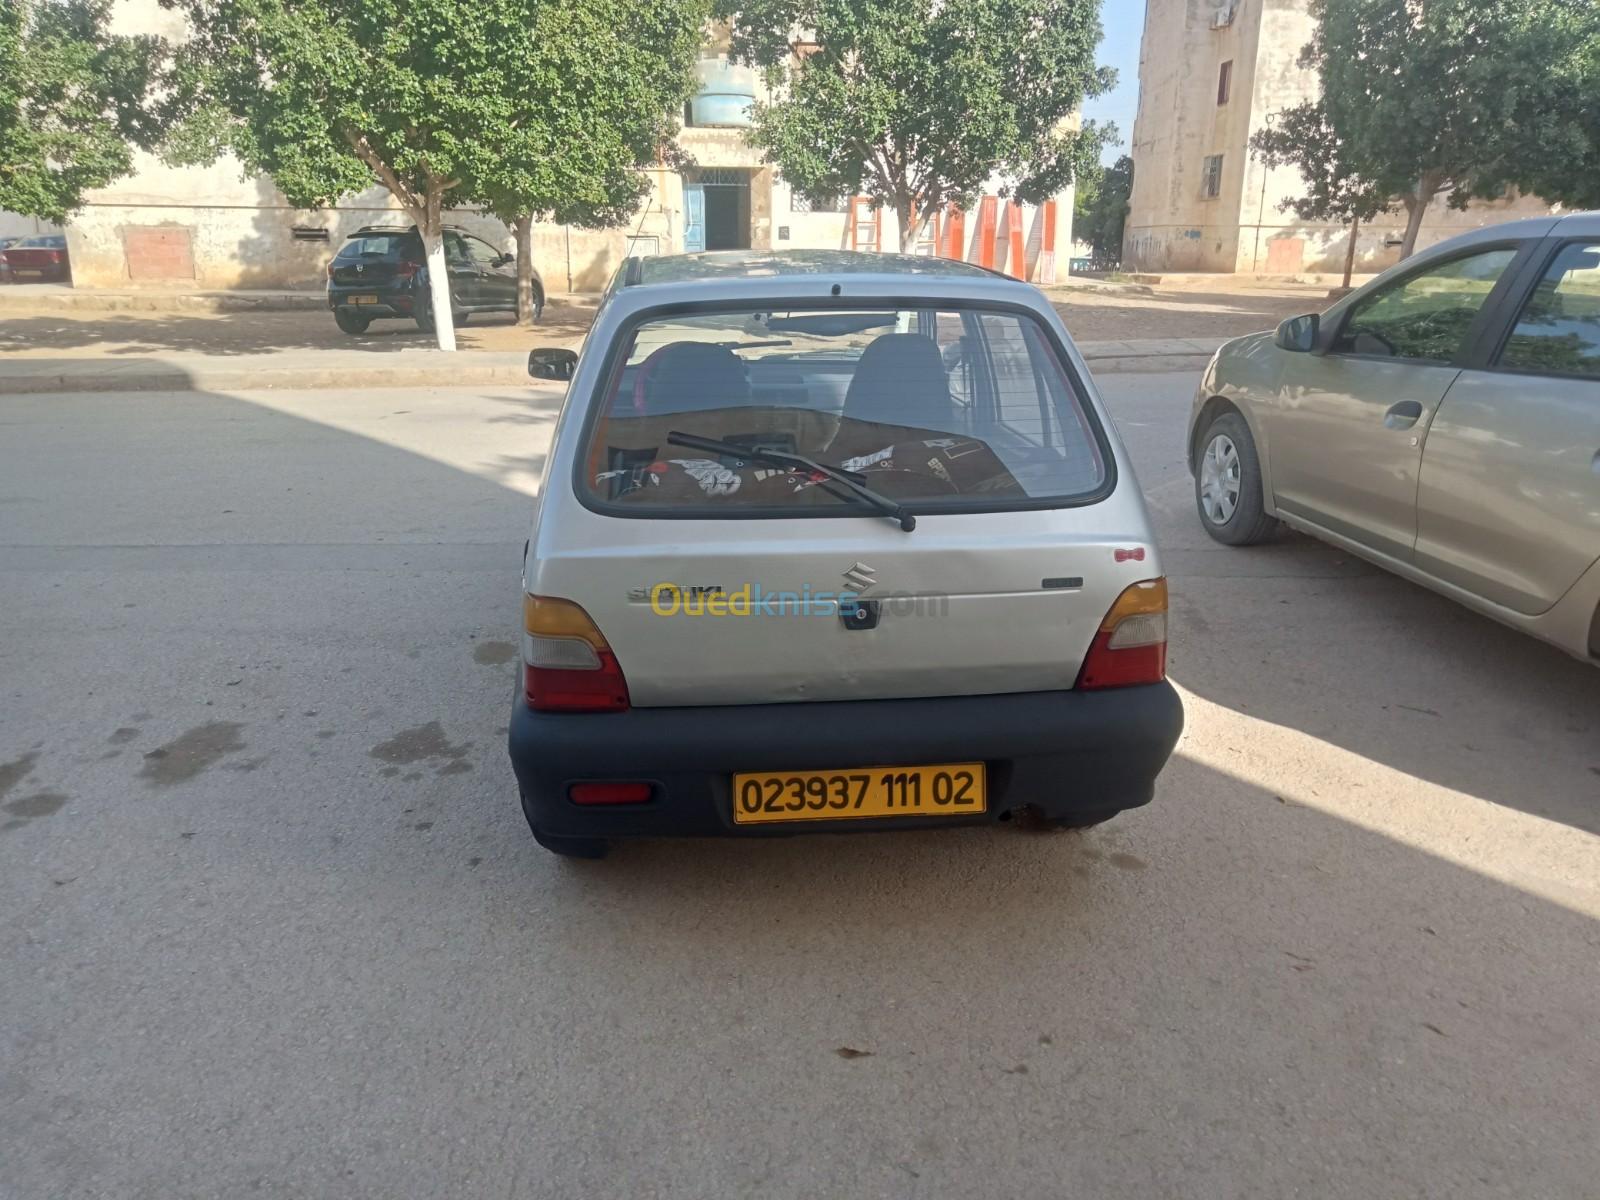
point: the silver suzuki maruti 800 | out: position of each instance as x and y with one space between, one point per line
833 542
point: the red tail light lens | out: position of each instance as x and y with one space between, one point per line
567 665
1131 646
405 271
55 256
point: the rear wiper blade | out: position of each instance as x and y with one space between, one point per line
845 479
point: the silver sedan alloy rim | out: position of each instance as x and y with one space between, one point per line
1219 480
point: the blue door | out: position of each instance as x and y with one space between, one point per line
694 218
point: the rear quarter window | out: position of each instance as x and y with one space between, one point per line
950 407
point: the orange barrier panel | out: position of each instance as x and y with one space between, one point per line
955 234
986 230
1045 269
1016 262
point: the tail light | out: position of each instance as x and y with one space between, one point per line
405 271
567 666
1131 646
55 256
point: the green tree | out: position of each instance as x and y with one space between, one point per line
1100 210
1442 97
74 101
597 107
917 103
1303 137
440 101
1573 177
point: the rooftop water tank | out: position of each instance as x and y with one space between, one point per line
726 94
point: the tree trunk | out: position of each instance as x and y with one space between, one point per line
1416 208
524 228
432 229
1350 257
906 212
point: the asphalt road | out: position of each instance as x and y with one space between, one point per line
271 923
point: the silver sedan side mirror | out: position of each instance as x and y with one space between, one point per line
1299 334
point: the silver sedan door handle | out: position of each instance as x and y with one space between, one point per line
1403 415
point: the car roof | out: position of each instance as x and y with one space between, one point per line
788 264
1580 223
380 230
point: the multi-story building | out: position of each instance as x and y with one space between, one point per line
1211 74
215 227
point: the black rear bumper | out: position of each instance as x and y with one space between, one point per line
1066 754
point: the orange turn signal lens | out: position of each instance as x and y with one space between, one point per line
543 616
1142 599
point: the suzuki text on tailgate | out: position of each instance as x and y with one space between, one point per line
833 542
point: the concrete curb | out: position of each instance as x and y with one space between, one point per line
29 298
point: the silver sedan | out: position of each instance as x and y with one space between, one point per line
1442 422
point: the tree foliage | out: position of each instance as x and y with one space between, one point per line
1573 178
1303 137
917 103
1422 98
1100 211
531 107
74 101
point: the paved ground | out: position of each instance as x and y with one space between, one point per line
1105 314
273 924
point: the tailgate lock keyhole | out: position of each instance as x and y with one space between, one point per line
859 614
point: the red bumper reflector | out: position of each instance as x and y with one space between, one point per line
609 793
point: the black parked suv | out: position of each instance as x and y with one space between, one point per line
382 271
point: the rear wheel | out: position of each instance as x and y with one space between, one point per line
1031 820
1228 487
351 322
425 316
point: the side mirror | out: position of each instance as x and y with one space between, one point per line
551 362
505 260
1299 334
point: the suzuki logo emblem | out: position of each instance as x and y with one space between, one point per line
860 577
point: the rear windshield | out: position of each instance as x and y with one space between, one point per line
965 408
389 247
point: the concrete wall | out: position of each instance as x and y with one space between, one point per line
1171 222
16 225
1171 226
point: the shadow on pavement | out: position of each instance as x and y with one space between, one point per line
337 921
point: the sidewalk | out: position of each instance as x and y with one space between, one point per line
417 368
62 297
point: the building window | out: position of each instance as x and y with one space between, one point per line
823 204
1224 83
1212 185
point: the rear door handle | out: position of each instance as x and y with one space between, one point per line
1403 415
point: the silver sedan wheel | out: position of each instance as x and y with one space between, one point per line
1219 479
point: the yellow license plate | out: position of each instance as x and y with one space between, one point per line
947 790
363 299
